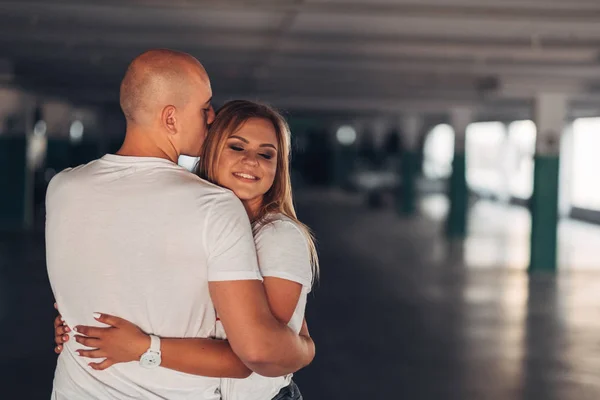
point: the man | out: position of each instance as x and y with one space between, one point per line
135 235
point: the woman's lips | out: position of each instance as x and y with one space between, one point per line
245 177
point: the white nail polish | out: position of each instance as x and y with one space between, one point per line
97 315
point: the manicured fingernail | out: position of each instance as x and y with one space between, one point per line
76 329
65 338
62 319
67 329
97 315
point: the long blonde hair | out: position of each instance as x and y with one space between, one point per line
278 199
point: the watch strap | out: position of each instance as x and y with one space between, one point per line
154 343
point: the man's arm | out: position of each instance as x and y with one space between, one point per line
123 341
210 357
264 344
206 357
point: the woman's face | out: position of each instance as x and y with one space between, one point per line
248 163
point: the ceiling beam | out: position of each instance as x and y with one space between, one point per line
567 11
88 39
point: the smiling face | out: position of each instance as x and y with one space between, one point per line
248 163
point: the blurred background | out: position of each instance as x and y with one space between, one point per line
446 153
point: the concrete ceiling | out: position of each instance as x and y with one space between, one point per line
355 56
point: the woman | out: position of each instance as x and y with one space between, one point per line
247 151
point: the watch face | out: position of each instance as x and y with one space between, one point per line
150 360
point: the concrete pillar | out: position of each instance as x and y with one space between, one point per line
505 166
345 139
58 116
16 179
410 129
550 113
86 144
34 145
379 128
566 171
456 224
72 135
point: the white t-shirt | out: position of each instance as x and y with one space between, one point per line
282 253
140 238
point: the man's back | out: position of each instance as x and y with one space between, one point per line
131 237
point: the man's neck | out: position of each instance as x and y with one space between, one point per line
138 144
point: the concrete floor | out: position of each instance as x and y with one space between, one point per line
399 312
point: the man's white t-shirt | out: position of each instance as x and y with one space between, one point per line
140 238
283 252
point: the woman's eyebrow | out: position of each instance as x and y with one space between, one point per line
239 138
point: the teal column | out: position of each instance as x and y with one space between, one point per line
458 193
13 182
344 164
410 126
345 154
550 113
456 223
544 214
408 192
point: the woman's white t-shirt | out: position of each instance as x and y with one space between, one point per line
283 252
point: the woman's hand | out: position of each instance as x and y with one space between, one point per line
121 342
60 332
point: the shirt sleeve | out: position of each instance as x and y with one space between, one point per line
283 252
230 244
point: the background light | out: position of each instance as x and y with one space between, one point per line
346 135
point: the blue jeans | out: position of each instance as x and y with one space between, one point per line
290 392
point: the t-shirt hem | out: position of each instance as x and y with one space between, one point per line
234 276
287 276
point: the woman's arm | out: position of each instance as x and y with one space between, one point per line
283 296
123 341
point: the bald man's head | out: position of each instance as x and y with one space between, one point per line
166 99
158 78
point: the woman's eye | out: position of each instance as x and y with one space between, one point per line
236 148
266 156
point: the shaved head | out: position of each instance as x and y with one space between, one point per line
160 78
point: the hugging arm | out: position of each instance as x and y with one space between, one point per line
264 343
122 341
209 357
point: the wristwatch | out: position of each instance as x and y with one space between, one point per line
151 358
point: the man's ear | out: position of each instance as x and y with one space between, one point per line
169 119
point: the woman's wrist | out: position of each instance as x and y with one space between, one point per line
143 344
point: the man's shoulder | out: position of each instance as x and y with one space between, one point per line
69 176
203 189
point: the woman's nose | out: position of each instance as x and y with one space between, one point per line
250 159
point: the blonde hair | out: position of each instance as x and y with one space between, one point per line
278 199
